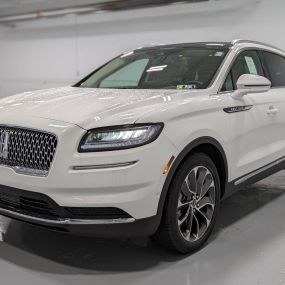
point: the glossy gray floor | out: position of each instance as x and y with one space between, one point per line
248 247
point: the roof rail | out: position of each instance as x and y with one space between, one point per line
241 41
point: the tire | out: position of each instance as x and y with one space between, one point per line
190 212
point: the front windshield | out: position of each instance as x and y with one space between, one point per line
159 68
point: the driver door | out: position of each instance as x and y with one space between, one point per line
253 129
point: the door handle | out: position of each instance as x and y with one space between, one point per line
272 111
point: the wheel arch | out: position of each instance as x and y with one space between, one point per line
207 145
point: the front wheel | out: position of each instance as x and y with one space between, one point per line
191 206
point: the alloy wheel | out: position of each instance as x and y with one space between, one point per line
196 203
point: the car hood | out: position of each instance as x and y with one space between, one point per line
89 108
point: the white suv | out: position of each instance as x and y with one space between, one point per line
148 144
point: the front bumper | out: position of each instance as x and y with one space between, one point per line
96 228
96 180
38 209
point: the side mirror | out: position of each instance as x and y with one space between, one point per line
249 83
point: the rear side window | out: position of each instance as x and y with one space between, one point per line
276 68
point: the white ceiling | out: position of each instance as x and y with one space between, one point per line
15 7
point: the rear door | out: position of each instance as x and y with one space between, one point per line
275 72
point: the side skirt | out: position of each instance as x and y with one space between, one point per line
254 176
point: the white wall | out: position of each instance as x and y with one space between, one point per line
57 52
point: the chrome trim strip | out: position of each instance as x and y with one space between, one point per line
238 109
252 174
104 166
66 221
99 222
30 171
27 171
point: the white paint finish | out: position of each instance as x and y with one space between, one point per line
247 248
200 111
128 189
250 139
90 108
50 53
259 84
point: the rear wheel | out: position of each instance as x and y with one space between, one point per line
191 206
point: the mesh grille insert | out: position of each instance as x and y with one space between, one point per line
27 148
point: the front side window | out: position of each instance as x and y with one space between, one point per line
276 68
160 68
247 62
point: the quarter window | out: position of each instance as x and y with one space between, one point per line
228 85
276 68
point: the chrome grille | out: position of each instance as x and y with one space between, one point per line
28 151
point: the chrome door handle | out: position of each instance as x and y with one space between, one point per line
272 111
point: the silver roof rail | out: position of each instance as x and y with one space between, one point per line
241 41
151 45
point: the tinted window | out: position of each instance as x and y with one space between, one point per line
247 62
276 68
228 85
160 68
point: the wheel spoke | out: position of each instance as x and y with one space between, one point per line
185 216
187 235
201 228
183 204
197 227
191 178
189 226
204 215
186 189
208 184
190 222
206 201
202 172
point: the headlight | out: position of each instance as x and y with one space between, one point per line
120 137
